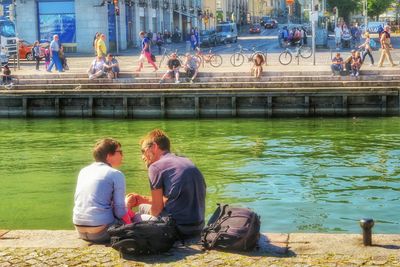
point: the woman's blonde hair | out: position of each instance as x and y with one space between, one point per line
366 34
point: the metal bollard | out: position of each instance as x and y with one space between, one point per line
366 225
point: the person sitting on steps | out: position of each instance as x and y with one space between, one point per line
111 67
356 63
257 68
173 69
191 67
337 64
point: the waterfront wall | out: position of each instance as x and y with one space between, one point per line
199 104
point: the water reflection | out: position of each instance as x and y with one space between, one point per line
307 175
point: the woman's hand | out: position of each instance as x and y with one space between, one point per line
131 200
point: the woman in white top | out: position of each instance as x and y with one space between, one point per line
338 36
367 48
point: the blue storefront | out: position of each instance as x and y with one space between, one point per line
56 17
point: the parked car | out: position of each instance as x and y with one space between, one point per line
271 24
208 38
264 19
255 28
227 32
25 50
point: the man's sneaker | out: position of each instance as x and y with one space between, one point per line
161 81
371 65
351 74
177 81
357 74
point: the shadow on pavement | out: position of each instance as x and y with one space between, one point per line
193 247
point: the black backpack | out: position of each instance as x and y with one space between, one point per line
232 228
143 238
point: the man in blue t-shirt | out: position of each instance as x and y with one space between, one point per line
145 52
177 186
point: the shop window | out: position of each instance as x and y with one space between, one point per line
57 17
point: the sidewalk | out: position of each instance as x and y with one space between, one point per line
129 63
63 248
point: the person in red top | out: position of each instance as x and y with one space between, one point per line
145 54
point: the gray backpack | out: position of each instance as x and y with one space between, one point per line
232 228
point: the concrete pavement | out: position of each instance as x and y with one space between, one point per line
63 248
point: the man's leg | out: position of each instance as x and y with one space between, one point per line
51 64
144 214
57 62
141 59
150 61
382 59
196 71
389 56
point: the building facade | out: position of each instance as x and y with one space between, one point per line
260 8
215 11
77 21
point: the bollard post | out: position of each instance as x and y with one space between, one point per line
366 225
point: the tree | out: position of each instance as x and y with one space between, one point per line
346 7
377 7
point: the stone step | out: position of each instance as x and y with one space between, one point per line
188 90
267 73
215 85
230 79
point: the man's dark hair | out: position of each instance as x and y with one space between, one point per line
159 137
103 147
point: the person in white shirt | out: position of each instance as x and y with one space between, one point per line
96 69
338 36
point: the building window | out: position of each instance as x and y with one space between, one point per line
57 17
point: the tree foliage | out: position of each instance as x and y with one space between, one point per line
346 7
378 7
375 7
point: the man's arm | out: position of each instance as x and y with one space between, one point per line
157 204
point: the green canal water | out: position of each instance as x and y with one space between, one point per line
300 175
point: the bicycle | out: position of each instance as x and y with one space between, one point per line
237 59
213 59
166 54
285 58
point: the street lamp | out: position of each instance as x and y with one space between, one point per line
366 15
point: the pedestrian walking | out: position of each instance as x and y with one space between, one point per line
367 48
36 53
386 46
55 59
159 42
145 52
46 58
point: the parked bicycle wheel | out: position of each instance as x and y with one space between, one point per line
305 52
216 61
237 59
285 58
